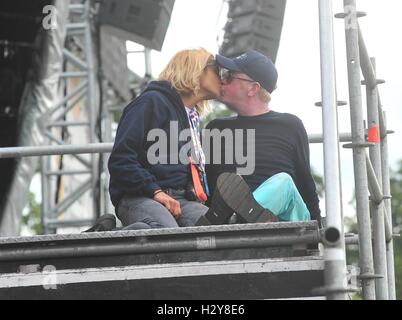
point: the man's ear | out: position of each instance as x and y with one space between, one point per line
255 89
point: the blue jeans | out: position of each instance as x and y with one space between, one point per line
279 194
137 213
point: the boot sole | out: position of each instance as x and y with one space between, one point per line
236 193
218 214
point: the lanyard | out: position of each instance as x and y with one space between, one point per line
195 136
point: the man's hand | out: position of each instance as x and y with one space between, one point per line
171 204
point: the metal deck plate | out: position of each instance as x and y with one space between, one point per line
260 261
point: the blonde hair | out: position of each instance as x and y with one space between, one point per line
184 73
264 96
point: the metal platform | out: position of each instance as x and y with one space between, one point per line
261 261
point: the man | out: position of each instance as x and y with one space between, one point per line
282 183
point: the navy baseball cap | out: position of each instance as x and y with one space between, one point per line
257 66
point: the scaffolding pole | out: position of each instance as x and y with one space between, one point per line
335 257
388 212
377 208
359 154
107 120
91 103
372 82
21 152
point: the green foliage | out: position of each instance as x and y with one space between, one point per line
319 182
218 110
398 267
396 191
32 217
117 116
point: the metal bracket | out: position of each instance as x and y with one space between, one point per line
378 81
343 15
383 198
339 103
369 276
359 145
386 134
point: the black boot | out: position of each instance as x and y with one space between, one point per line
219 212
106 222
236 194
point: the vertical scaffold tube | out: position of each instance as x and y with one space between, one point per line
335 258
359 152
377 209
92 108
387 191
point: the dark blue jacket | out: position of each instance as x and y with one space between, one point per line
130 171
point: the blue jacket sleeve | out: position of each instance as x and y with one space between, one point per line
125 165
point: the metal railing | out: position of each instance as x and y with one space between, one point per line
20 152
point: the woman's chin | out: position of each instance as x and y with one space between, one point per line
214 96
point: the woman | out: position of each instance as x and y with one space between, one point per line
158 196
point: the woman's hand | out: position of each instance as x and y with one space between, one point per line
171 204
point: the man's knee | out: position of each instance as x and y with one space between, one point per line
285 183
284 178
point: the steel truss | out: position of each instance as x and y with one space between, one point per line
80 91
